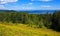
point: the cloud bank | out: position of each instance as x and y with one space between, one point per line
46 6
7 1
42 0
45 0
2 7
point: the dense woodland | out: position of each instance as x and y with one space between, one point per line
49 20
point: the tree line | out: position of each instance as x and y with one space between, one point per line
40 20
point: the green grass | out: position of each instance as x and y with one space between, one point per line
24 30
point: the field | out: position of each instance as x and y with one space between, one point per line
24 30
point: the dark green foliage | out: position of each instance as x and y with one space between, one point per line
56 21
48 19
39 20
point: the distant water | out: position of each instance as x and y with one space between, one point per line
31 11
39 11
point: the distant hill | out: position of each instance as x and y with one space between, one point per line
30 11
7 11
39 11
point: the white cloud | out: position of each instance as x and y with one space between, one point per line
30 3
7 1
32 0
2 7
45 7
42 0
45 0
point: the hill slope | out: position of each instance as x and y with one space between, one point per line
24 30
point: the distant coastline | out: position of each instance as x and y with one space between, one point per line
31 11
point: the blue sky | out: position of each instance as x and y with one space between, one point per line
30 4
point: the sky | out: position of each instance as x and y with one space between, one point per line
29 4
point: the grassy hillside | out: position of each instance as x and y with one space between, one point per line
24 30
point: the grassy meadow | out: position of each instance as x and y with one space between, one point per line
9 29
25 24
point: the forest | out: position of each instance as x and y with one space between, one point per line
48 20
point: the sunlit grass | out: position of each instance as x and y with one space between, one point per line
25 30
